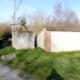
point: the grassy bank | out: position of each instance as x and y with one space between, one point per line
41 64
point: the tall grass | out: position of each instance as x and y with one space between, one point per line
5 30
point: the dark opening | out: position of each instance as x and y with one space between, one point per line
4 42
36 41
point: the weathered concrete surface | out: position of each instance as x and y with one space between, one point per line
8 57
23 40
9 74
47 41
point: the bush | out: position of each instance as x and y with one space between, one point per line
5 30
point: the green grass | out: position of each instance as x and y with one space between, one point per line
41 64
2 79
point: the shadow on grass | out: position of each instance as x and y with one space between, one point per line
54 76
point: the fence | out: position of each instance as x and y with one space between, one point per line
4 42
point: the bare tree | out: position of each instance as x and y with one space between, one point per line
57 15
38 21
64 17
71 19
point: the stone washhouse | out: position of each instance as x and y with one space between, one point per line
54 39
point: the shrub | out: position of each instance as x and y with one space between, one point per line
5 30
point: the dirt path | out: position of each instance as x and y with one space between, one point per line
9 74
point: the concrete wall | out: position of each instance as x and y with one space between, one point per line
40 39
65 41
22 40
44 40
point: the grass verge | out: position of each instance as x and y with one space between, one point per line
41 64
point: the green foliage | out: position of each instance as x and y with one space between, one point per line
41 64
2 79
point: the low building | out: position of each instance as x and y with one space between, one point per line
55 39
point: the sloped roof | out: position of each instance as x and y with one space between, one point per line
70 29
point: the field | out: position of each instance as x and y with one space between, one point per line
45 65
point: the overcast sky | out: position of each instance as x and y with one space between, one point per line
7 7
